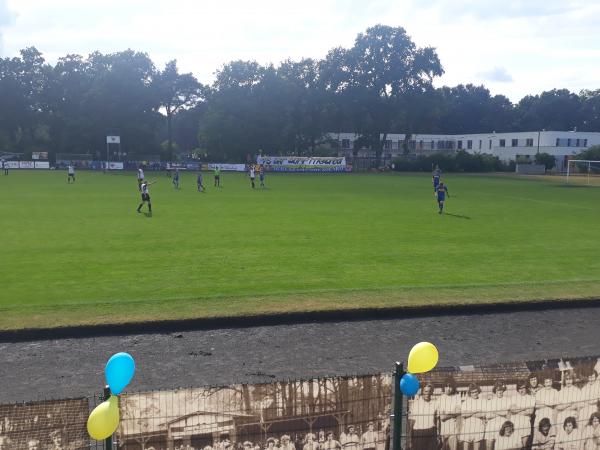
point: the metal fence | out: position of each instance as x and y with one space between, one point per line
551 404
48 424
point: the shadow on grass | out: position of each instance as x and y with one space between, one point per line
148 214
458 216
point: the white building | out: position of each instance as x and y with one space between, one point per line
506 146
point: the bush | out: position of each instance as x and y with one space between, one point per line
592 153
547 160
460 161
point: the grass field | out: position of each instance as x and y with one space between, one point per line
80 254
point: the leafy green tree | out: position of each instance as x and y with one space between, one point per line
175 92
382 68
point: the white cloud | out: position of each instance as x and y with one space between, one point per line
542 44
7 17
497 74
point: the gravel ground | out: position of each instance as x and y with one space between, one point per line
74 367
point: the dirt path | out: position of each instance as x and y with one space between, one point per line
74 367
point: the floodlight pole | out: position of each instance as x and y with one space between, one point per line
397 415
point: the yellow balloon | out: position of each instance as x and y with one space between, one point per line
104 419
422 357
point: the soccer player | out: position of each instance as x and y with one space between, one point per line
71 174
5 167
437 173
145 196
261 175
442 191
140 177
201 187
217 177
176 179
252 175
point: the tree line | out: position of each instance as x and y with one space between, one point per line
382 84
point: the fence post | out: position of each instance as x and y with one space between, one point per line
108 440
398 406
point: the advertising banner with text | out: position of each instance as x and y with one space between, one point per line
303 163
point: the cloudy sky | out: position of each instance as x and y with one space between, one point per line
513 47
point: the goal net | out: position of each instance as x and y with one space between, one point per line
583 171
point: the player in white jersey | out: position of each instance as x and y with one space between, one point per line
252 174
140 177
71 174
145 196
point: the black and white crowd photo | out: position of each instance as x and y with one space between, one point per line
554 405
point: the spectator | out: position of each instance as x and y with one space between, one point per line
330 443
270 444
449 411
286 444
309 442
507 439
422 422
569 398
592 432
368 440
521 412
546 400
544 437
473 419
351 440
569 438
590 395
497 411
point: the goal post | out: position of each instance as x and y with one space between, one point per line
582 170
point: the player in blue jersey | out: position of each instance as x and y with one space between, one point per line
442 191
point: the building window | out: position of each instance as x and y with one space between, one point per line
585 142
459 146
345 143
529 142
479 144
387 144
514 143
577 142
502 143
557 142
469 144
569 142
490 144
440 145
432 145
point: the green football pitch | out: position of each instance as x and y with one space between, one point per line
80 254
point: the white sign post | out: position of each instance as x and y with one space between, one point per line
112 139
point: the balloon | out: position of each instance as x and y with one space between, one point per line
119 371
422 358
104 419
409 384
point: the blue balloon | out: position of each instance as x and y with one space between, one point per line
409 384
119 371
